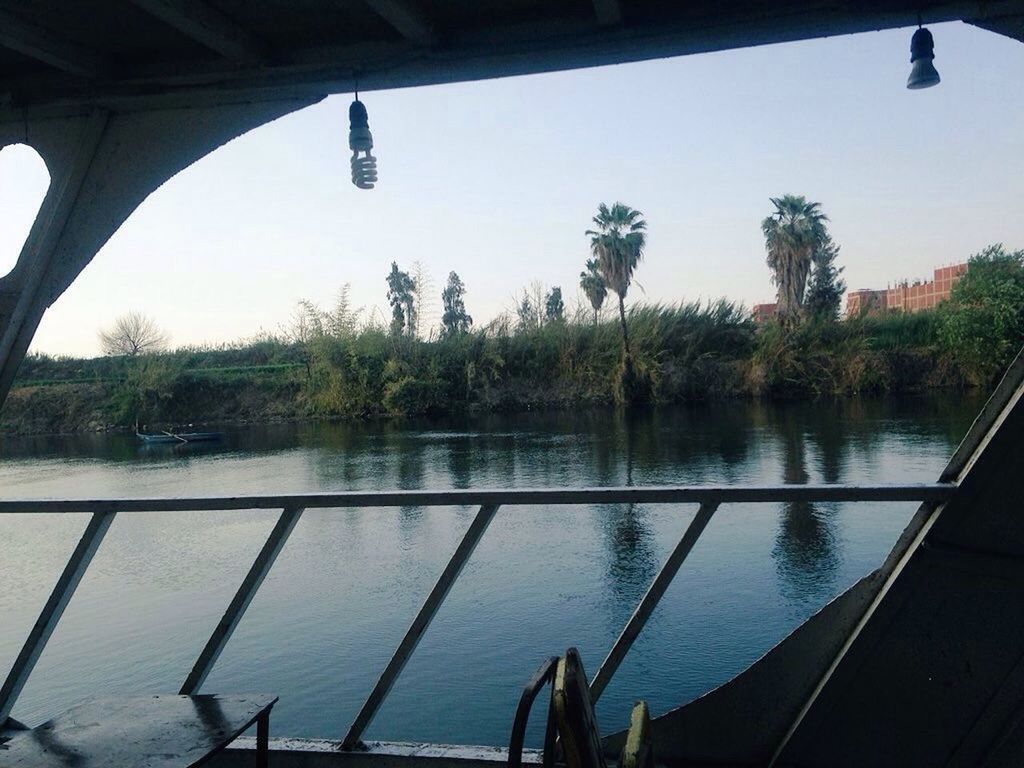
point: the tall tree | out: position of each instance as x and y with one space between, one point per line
132 335
525 313
554 307
401 296
530 307
618 245
423 293
791 236
825 286
344 319
454 321
593 286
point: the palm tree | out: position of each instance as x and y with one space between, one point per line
593 286
618 245
791 236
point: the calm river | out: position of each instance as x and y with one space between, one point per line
349 581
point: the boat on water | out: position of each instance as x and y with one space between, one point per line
167 438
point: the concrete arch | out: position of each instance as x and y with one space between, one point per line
20 200
103 164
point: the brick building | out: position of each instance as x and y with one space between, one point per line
906 296
903 297
866 300
764 312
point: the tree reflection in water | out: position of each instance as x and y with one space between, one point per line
631 563
410 449
805 552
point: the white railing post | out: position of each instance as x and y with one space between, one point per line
419 625
74 569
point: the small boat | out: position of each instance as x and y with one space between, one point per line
179 437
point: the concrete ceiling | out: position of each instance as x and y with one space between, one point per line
57 56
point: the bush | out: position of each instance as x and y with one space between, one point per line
817 358
982 323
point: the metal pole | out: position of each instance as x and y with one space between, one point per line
506 497
246 592
650 600
420 623
75 568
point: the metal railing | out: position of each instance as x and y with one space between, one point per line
709 499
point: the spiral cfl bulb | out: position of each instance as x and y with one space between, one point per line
360 141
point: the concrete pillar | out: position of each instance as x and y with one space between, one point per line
102 165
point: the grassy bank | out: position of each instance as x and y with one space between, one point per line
681 353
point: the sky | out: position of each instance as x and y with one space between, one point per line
497 180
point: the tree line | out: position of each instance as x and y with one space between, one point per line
801 257
355 363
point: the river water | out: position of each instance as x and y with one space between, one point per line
348 582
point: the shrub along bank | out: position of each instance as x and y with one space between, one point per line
681 353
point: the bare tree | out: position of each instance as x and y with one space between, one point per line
529 306
133 334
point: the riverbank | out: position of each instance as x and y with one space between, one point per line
682 354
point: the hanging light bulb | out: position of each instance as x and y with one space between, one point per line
360 140
922 50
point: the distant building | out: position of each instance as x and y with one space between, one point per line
867 300
764 312
906 296
903 297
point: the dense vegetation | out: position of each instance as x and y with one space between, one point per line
681 353
334 364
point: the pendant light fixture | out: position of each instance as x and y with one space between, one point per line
360 141
922 51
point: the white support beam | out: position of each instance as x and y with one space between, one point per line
207 26
609 12
102 166
42 45
38 252
406 18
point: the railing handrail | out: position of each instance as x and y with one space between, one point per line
656 494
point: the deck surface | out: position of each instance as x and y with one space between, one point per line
162 731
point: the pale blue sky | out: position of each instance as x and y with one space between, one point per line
497 180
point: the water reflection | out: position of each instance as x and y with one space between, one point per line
460 461
542 579
625 530
805 552
631 562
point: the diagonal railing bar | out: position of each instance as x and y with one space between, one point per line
240 602
419 625
650 600
71 576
